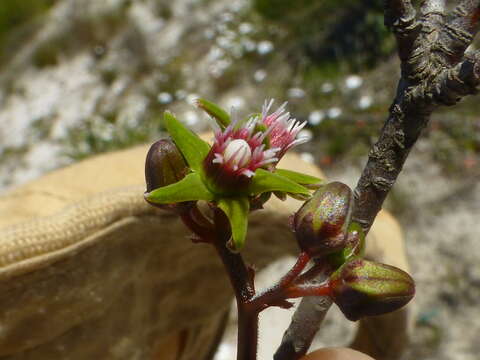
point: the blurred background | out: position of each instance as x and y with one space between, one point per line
81 77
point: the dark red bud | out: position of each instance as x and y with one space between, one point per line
164 165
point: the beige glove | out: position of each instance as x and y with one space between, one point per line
88 270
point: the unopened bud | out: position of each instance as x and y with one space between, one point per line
164 165
366 288
321 223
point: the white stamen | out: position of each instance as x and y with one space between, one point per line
297 126
248 173
218 159
238 153
268 161
271 152
266 108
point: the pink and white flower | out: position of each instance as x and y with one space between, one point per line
244 147
283 128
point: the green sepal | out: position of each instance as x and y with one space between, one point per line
264 181
299 178
216 112
194 149
237 210
190 188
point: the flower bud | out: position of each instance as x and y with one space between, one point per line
164 165
366 288
320 224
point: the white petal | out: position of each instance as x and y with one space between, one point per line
238 152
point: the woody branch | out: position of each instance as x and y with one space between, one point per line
436 70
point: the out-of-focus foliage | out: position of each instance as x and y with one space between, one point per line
16 12
15 16
345 32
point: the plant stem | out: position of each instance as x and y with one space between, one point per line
241 278
247 333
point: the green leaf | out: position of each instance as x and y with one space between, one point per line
194 149
236 210
216 112
190 188
299 178
264 181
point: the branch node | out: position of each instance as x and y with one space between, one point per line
381 183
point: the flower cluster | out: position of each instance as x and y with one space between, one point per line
236 173
283 128
243 147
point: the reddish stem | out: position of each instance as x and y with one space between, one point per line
289 277
242 282
241 277
314 273
297 291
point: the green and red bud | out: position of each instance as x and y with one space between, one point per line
321 223
164 165
365 288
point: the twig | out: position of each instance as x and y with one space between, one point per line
304 325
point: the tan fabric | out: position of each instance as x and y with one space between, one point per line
88 270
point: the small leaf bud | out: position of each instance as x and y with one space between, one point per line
366 288
320 224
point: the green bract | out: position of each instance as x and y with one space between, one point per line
217 113
196 185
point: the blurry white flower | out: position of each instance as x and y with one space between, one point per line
164 98
226 17
215 53
235 102
224 42
181 94
334 112
327 87
353 82
260 75
365 102
191 118
249 45
245 28
264 47
305 134
296 93
316 117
